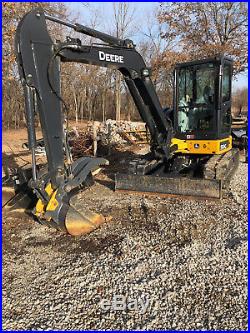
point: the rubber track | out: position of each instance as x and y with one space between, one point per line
222 166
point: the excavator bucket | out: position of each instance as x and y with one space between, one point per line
80 223
76 221
165 186
61 211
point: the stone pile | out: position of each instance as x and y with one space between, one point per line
111 132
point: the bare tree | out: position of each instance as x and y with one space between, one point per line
151 47
240 101
13 101
123 20
207 28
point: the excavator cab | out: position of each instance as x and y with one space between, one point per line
202 106
202 160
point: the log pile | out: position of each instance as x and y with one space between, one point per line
81 144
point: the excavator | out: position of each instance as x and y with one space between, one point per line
191 151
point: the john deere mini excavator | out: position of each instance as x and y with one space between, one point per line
191 146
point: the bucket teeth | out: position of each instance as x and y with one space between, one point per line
82 223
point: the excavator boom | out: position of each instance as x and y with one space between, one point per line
38 59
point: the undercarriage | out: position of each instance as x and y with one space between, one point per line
190 176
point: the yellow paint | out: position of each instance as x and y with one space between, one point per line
53 203
41 208
209 147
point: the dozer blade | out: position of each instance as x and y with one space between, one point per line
164 186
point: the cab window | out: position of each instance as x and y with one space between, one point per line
226 98
195 102
226 84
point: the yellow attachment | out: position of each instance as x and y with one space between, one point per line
209 147
75 223
52 204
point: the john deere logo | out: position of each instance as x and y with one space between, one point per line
196 145
110 57
224 145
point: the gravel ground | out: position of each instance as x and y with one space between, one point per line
187 258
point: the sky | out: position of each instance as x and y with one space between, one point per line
83 11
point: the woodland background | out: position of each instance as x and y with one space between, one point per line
174 32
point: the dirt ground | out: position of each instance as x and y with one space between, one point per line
189 258
13 154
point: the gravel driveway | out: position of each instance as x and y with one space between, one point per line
186 258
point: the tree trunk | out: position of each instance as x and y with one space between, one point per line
76 107
129 110
103 105
82 107
118 97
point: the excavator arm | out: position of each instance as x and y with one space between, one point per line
39 60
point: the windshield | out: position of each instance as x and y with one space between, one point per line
196 98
